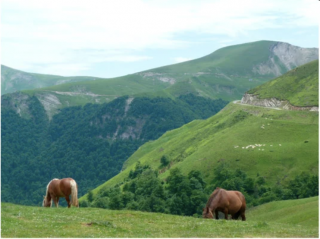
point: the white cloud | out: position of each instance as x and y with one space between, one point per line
181 59
51 32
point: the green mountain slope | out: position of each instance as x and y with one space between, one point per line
292 218
226 73
277 145
87 143
14 80
302 212
242 142
300 86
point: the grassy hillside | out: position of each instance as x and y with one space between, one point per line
14 80
226 73
299 86
79 139
276 144
292 218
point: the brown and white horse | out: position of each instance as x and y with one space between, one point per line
57 188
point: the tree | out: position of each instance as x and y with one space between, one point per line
90 196
164 160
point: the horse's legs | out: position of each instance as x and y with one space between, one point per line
68 201
217 214
56 201
243 216
226 213
236 215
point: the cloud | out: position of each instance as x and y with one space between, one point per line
51 32
181 59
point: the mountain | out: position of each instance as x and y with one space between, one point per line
13 80
297 88
226 73
88 143
264 152
54 132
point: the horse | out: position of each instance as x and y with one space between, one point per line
57 188
228 202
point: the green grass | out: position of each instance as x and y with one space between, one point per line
303 212
294 218
290 140
299 86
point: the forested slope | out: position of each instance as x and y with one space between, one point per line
87 143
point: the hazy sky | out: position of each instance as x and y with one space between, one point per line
109 38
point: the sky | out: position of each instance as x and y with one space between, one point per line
110 38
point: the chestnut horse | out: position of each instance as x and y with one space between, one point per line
228 202
57 188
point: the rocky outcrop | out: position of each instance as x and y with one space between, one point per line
158 76
251 99
18 102
50 102
284 57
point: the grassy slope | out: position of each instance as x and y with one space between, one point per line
201 144
299 86
232 59
16 80
289 138
293 218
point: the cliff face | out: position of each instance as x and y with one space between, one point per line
251 99
284 57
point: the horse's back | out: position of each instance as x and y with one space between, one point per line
65 185
61 187
54 187
242 198
235 199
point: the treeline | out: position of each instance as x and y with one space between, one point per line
144 191
88 143
258 191
187 195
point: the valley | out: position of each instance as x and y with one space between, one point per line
153 145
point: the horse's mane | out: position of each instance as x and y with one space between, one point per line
212 196
49 184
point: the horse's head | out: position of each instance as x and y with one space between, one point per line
207 213
46 202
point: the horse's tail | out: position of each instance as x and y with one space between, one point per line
74 193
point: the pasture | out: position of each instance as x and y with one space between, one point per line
277 144
292 218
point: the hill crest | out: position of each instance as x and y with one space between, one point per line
295 90
226 73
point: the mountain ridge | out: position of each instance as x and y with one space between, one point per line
226 73
297 88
